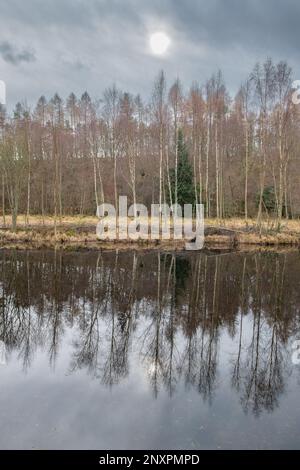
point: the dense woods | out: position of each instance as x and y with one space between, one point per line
67 156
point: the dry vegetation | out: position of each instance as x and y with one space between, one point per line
80 232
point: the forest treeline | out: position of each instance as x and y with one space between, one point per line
64 157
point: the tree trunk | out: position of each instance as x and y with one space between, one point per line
246 170
176 159
101 183
281 167
14 218
42 202
95 182
160 172
217 173
3 200
207 163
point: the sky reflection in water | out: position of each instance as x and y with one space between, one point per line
129 350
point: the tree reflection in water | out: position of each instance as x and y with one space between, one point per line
171 311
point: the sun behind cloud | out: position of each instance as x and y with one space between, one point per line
159 43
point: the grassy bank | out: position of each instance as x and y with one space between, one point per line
80 232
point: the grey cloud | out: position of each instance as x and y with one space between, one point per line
12 55
88 44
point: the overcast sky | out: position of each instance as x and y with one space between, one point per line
49 46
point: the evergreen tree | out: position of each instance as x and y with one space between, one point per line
185 183
269 199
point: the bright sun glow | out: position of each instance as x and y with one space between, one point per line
159 43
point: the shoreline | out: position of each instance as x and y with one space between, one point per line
25 241
79 233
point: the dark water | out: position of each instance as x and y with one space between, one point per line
149 351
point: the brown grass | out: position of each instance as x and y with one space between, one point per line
80 232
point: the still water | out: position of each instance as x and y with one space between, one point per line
149 351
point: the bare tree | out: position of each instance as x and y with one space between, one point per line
160 117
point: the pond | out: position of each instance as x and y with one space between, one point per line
129 350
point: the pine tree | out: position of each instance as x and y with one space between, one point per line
184 175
